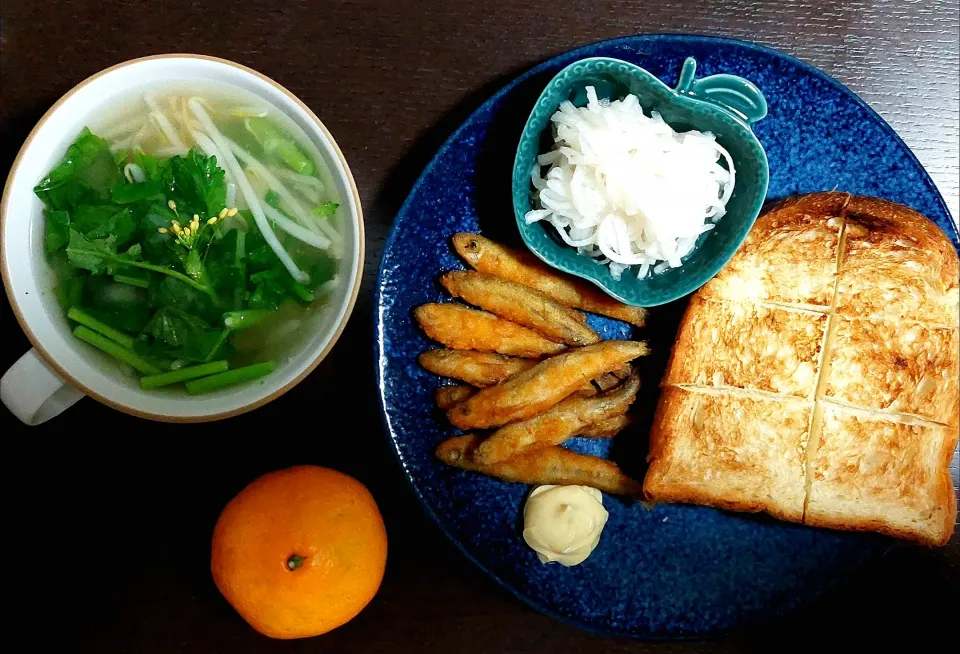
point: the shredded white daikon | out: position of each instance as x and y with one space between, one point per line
626 189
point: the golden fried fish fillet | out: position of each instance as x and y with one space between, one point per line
548 465
523 268
520 304
557 424
462 328
539 388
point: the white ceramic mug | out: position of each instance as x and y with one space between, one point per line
60 369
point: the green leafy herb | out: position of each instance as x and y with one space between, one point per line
87 173
57 232
180 334
122 306
152 167
226 267
196 184
100 256
322 270
169 292
91 254
88 217
325 210
137 192
259 255
120 225
158 247
268 292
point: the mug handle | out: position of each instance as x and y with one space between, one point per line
35 393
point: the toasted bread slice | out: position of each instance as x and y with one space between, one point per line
894 366
871 472
897 264
731 450
748 346
790 255
876 433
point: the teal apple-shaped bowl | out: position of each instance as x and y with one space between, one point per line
725 105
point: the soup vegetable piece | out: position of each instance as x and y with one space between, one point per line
192 238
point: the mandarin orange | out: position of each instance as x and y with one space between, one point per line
299 551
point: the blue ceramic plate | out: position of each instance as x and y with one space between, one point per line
674 571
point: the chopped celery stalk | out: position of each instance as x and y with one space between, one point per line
302 292
275 141
141 282
229 378
237 320
183 374
79 316
113 349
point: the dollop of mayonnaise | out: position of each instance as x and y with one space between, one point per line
563 523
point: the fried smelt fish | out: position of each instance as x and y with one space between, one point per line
548 465
488 257
539 388
462 328
608 428
623 372
607 381
521 304
475 368
611 379
450 396
484 369
557 424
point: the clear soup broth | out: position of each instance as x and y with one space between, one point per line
195 234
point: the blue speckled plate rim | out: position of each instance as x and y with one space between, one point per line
377 314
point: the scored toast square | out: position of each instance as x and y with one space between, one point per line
871 472
894 366
790 255
748 346
730 450
897 264
866 444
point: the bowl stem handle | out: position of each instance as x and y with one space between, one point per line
687 73
739 97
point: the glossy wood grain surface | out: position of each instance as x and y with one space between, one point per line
109 517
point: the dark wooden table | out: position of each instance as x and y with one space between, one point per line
109 517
